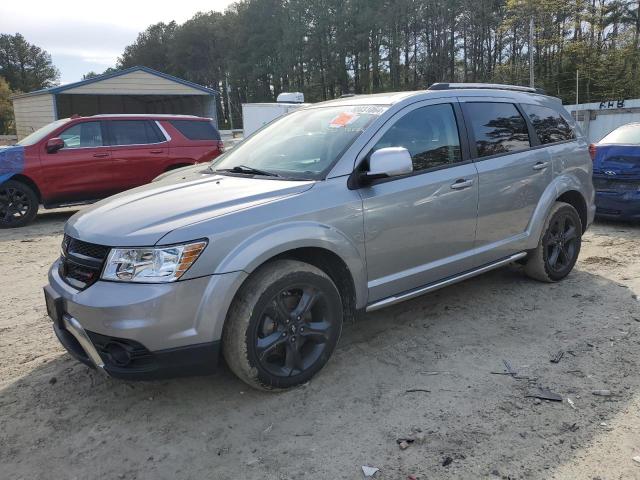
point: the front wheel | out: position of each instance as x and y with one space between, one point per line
283 325
559 246
18 204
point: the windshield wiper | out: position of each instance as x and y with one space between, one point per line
247 169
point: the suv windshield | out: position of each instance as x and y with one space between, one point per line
39 134
303 145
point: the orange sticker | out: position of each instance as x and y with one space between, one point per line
342 120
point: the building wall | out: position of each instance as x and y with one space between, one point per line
33 112
598 119
136 83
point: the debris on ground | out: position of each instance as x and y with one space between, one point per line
447 461
412 390
404 443
557 357
636 459
53 380
571 427
571 403
546 394
369 472
602 393
412 477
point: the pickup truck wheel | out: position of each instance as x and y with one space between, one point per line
18 204
559 246
283 325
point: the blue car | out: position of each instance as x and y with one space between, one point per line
616 173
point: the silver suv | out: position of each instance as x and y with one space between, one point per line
345 206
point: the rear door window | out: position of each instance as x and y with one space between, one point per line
134 132
196 129
429 133
498 128
548 124
83 135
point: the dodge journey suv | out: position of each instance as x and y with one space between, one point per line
345 206
79 160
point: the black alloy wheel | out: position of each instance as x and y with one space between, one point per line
561 243
559 246
293 331
18 204
283 325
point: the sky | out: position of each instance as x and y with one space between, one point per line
88 35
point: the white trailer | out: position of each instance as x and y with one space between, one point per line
255 115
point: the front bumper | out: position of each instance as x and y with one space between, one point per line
618 205
144 331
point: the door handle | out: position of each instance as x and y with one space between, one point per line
155 151
100 155
541 165
461 184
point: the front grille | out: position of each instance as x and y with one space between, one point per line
610 185
81 262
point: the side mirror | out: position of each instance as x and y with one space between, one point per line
54 144
389 162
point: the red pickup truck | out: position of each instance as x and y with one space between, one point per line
79 160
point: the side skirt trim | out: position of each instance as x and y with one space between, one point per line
386 302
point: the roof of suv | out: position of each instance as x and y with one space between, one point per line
153 116
439 90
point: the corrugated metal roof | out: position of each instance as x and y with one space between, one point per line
99 78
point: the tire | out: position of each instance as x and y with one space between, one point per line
559 246
264 329
18 204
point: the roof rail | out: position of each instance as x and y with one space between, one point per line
485 86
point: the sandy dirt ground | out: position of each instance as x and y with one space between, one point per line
59 419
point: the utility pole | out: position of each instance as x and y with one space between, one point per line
226 78
577 86
531 77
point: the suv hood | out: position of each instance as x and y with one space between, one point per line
11 161
142 216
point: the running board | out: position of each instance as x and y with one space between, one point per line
386 302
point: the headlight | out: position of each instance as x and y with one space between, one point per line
151 265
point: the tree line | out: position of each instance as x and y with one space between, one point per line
326 48
257 49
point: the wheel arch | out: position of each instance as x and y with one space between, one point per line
19 177
564 188
577 201
317 244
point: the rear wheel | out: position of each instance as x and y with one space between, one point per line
18 204
283 325
559 246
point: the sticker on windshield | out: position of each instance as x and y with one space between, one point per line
344 119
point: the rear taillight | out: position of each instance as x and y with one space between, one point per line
221 146
592 151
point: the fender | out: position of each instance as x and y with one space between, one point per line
559 185
11 161
277 239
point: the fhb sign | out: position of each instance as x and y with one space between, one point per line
611 104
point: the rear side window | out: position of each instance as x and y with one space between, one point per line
498 128
548 124
196 130
82 135
134 132
429 133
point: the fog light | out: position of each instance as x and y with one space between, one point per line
118 354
